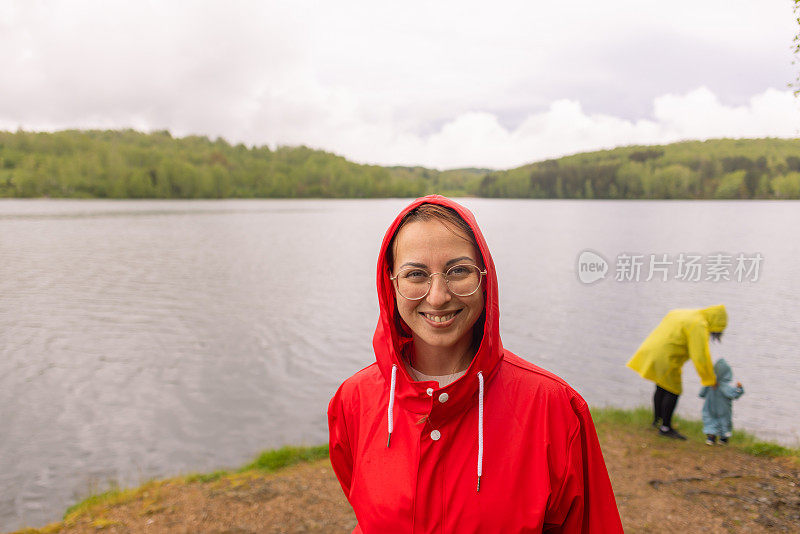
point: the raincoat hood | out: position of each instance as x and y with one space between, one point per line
723 371
716 316
390 340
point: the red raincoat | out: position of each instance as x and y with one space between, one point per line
522 431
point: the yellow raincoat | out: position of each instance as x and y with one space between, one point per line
681 335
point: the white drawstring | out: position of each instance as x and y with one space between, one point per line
390 416
391 403
480 428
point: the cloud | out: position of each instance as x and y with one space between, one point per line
444 84
478 139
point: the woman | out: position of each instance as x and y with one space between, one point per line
682 334
448 431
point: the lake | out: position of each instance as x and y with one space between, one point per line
145 339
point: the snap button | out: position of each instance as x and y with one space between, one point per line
435 435
443 397
429 391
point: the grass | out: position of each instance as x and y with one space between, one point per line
96 504
693 429
285 456
763 448
206 477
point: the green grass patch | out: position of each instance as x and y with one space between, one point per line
286 456
95 504
205 477
642 417
763 448
617 416
99 499
757 447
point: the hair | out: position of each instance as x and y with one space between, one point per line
429 212
716 336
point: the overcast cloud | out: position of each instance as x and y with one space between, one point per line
442 84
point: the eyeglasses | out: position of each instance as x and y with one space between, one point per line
414 283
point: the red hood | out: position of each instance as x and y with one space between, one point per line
388 342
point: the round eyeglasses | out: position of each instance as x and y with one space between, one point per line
414 283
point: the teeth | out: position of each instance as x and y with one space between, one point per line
440 318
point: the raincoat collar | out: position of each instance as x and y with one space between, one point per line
389 342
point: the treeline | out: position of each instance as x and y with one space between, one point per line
131 164
720 168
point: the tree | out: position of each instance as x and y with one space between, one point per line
787 186
731 185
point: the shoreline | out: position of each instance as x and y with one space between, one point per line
750 485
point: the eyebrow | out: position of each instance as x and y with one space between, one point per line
423 266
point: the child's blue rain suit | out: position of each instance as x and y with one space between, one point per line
717 409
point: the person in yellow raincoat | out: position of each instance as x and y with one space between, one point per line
682 334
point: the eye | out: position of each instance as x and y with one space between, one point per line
459 271
414 275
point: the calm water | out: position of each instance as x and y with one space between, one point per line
147 339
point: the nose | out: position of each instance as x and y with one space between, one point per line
439 294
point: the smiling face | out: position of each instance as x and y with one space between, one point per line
441 319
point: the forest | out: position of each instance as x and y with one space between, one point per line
132 164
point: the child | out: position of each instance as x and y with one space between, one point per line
717 409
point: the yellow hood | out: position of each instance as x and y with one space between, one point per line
716 317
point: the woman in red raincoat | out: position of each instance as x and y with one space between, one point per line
448 431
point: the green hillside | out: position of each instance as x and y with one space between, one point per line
719 168
131 164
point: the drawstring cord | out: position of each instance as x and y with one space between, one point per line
480 428
390 416
391 403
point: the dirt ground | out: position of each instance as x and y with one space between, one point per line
666 486
661 486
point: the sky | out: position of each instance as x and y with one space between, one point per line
443 84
